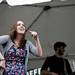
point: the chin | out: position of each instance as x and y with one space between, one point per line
21 32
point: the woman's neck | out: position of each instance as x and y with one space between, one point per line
19 37
17 40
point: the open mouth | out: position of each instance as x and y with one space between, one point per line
22 29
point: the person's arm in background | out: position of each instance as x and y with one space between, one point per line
45 70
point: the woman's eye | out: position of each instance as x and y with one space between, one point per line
21 25
18 24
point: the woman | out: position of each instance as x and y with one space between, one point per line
16 49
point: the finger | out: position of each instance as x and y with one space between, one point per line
30 31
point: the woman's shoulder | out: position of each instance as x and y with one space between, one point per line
5 36
28 41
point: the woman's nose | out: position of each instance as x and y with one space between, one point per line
21 25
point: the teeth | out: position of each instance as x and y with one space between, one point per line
21 29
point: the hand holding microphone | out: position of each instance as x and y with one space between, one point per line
34 34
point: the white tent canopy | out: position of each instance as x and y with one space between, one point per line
23 2
1 1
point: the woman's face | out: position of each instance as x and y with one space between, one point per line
20 27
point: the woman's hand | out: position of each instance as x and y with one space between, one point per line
34 34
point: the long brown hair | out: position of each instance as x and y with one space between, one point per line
13 33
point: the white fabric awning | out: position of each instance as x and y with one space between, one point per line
1 1
24 2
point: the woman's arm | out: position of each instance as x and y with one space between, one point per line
37 42
38 46
4 39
